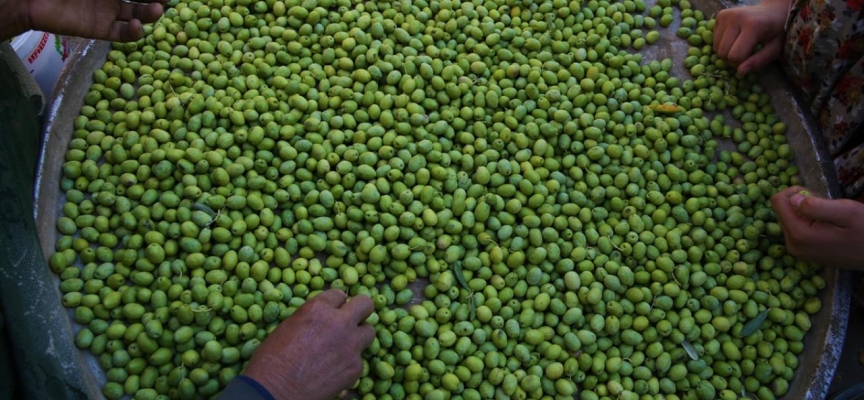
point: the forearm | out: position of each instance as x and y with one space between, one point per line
14 19
784 5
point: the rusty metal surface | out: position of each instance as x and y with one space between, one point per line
823 343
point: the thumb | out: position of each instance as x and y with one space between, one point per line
835 212
768 53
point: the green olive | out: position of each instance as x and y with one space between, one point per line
533 205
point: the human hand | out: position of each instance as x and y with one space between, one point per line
739 30
828 232
114 20
315 353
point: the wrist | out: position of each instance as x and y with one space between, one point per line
275 380
15 18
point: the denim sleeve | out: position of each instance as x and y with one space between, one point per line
245 388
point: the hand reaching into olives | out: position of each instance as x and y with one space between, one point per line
114 20
739 30
829 232
315 354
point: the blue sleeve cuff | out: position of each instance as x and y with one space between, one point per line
245 388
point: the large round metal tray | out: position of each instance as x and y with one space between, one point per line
823 342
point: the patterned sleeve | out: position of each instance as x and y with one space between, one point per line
824 58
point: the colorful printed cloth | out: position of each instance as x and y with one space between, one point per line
824 56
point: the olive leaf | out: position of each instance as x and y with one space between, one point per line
755 323
472 308
205 208
457 270
691 351
667 108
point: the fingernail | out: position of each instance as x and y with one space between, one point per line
796 200
745 70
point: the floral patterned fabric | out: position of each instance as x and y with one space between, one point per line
824 56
